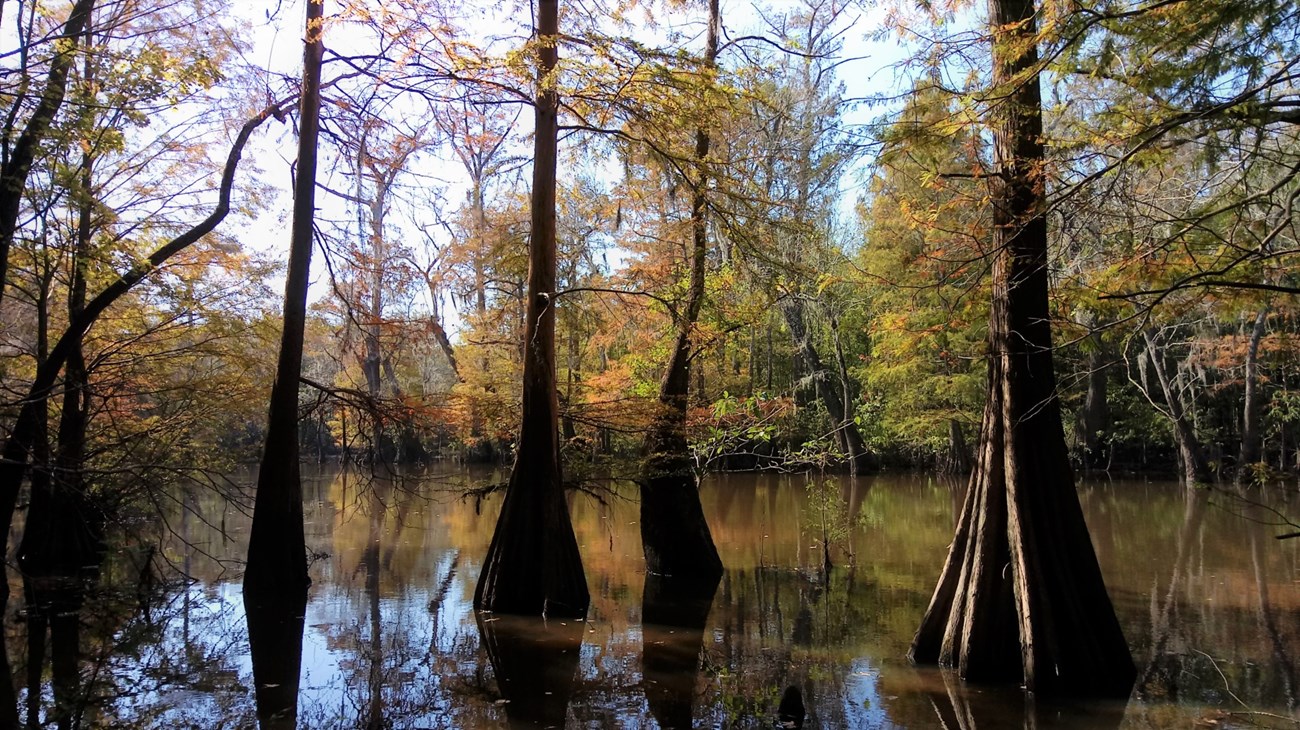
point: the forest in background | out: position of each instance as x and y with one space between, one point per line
845 295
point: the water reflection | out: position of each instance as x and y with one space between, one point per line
387 637
673 616
534 661
275 626
961 707
53 605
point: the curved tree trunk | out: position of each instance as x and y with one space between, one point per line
28 426
674 534
1047 621
1191 457
533 565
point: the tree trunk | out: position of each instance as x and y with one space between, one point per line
846 432
1191 456
1250 415
1021 510
62 533
1095 419
277 551
957 459
533 565
674 533
852 438
13 174
372 329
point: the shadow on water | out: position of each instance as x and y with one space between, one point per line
673 616
275 626
534 660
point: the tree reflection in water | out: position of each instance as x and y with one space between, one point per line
388 637
534 661
275 625
958 706
673 616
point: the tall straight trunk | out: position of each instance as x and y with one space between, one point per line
675 537
1047 621
18 164
854 446
533 565
1250 415
1191 457
957 458
753 360
277 552
371 362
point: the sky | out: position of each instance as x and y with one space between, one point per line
871 70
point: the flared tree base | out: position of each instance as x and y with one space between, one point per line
533 566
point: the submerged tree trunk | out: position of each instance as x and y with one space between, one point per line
674 534
1021 597
275 628
277 551
673 617
533 565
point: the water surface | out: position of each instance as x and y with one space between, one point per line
1209 601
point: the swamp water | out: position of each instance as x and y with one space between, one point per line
1209 601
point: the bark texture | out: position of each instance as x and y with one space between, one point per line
674 533
533 565
1021 597
277 548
